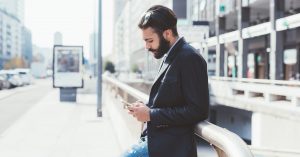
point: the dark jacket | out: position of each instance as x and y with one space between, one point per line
178 100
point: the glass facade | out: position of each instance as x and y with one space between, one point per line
231 51
291 7
291 56
242 47
258 58
204 10
211 61
259 12
228 11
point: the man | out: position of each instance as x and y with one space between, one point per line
179 97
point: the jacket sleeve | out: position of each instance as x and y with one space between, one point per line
194 86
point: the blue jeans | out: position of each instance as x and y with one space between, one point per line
138 150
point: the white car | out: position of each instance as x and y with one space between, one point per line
12 77
25 76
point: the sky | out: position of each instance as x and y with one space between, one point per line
75 19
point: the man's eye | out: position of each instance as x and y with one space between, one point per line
150 41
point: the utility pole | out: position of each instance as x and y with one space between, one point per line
99 82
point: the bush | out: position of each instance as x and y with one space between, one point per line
109 66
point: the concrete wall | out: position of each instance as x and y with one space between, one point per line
274 132
235 120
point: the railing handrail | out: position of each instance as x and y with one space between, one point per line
261 81
222 139
228 142
130 90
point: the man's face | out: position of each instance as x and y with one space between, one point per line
155 42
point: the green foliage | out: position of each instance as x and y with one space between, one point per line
109 66
135 68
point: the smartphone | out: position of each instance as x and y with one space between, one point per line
126 104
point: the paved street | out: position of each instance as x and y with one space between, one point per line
50 128
16 102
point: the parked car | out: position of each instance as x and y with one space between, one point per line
1 84
25 75
12 77
4 82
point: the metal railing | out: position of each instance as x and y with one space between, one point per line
226 143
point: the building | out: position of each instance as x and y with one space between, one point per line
13 7
118 8
10 37
26 45
252 44
58 38
43 55
252 39
93 53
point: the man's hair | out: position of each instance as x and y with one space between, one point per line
160 18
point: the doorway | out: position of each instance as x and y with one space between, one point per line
258 65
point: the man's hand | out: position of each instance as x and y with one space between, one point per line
140 111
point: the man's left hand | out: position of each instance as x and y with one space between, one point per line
140 111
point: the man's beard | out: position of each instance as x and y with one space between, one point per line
163 48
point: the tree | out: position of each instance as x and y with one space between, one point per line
16 62
135 68
109 66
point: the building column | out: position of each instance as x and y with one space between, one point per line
276 41
242 58
243 22
222 59
219 49
225 60
263 132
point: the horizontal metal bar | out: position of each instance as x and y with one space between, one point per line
130 90
225 140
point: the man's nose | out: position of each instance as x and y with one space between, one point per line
147 46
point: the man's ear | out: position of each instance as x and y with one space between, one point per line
167 34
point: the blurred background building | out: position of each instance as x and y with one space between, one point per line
15 39
253 38
93 53
58 38
26 46
14 7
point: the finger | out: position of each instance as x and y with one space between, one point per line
139 101
131 108
130 112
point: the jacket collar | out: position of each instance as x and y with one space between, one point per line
171 55
172 46
174 49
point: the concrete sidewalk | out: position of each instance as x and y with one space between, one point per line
60 129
